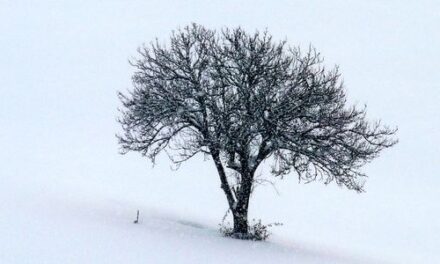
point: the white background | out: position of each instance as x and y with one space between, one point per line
62 63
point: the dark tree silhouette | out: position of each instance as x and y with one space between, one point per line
241 99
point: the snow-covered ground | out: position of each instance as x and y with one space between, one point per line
54 227
78 219
66 196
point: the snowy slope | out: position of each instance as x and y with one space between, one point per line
48 226
79 220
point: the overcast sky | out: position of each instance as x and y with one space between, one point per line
63 62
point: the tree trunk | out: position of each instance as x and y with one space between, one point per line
240 212
223 179
241 227
238 203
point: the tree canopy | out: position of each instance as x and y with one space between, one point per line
242 99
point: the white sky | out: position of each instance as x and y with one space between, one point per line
62 63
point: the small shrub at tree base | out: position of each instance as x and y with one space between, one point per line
256 231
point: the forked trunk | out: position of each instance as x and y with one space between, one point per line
240 203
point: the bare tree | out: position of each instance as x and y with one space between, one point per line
242 99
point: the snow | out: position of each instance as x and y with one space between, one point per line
97 228
80 220
66 196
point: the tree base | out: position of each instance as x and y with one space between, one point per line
256 232
243 236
